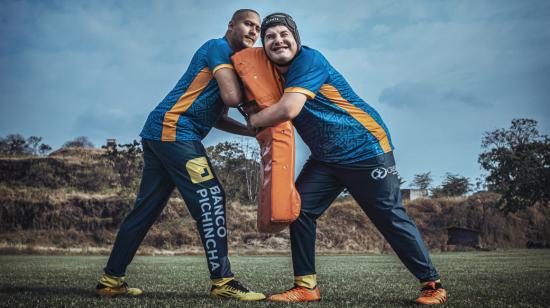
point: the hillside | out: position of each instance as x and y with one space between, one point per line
71 202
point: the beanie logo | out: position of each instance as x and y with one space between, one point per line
274 19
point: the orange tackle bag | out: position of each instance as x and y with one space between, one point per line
279 200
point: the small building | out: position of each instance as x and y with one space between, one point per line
412 193
465 237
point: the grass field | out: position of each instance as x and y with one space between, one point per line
473 279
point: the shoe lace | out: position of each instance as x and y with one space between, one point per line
294 292
429 291
234 284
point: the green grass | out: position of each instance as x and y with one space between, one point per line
492 279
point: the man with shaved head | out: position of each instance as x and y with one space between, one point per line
175 157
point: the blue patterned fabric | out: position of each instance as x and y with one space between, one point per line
325 123
204 107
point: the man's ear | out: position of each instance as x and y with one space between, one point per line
230 25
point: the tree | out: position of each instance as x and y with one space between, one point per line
37 147
17 145
3 147
236 164
43 149
14 145
422 180
453 185
251 168
78 142
127 162
34 144
517 160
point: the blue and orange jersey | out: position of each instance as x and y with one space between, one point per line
194 106
336 124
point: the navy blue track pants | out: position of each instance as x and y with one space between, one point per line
374 184
181 164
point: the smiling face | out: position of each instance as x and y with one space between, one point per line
280 45
243 31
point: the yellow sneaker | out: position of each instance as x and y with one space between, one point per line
432 294
109 286
234 289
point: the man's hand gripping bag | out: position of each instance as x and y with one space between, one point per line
279 200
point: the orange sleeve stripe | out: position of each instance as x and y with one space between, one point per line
172 116
222 66
358 114
308 93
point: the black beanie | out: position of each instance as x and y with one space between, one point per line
277 19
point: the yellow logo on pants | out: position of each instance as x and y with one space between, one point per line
199 170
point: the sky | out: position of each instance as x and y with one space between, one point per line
440 73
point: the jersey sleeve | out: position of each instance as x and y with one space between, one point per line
306 75
218 55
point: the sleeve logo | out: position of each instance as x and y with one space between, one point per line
199 170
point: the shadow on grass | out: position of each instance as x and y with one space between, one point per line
390 302
182 295
10 290
89 293
21 291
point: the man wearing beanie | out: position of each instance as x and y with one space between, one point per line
175 157
350 148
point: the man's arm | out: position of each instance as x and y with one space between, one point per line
230 87
288 107
229 125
